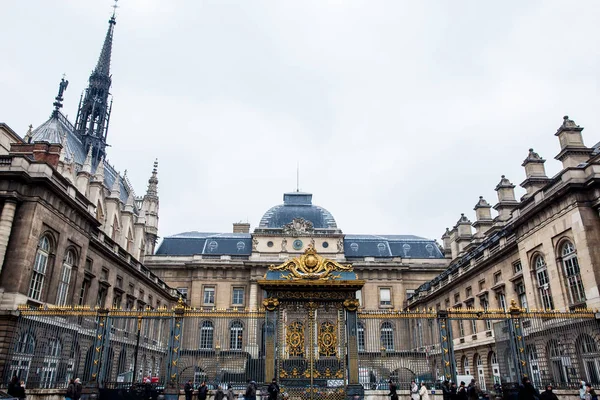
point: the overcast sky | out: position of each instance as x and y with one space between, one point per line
400 113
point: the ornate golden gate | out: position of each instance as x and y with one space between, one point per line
311 348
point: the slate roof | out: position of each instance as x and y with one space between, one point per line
53 131
357 246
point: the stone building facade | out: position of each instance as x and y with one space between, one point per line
541 250
72 230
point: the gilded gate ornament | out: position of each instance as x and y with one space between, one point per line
271 303
311 266
351 304
327 339
295 339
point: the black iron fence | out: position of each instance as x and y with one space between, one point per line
116 348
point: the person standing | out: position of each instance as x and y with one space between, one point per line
273 390
188 389
548 394
219 395
582 391
230 394
423 392
414 391
78 388
453 391
13 385
527 391
250 391
446 390
461 392
70 395
202 391
393 391
473 390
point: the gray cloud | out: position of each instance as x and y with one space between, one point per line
400 113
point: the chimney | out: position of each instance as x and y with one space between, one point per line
572 149
535 174
464 233
39 151
446 239
483 213
241 227
506 199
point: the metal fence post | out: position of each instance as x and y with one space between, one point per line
271 305
446 346
517 340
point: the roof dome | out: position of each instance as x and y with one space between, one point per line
297 205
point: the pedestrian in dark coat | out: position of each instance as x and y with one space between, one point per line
70 395
527 391
548 394
393 391
273 390
188 389
202 391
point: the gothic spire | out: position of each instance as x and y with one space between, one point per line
153 181
103 66
93 116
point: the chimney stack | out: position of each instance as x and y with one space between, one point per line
241 227
535 174
572 149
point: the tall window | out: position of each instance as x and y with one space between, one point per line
502 300
387 336
534 365
466 368
543 282
50 363
480 371
385 297
39 268
238 296
65 279
485 304
183 291
102 291
571 265
206 335
589 355
520 289
557 358
495 368
21 360
85 285
360 337
209 296
236 334
461 328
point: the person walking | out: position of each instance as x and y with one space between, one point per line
473 391
70 395
202 391
188 389
582 391
453 391
590 393
414 391
446 390
423 392
250 391
273 390
393 391
13 385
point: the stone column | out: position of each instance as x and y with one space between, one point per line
252 346
6 222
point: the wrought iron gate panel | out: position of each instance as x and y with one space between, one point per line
311 357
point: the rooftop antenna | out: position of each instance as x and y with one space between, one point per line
297 176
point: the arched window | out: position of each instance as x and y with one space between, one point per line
480 371
206 335
360 336
495 367
40 266
21 360
65 278
543 282
571 266
236 334
587 352
465 365
387 336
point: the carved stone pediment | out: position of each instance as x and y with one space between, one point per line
311 266
298 226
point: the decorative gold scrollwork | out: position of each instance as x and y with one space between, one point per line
311 266
351 304
295 339
327 339
271 304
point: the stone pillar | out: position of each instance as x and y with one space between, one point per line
253 335
6 222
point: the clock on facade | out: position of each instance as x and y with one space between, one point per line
297 244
